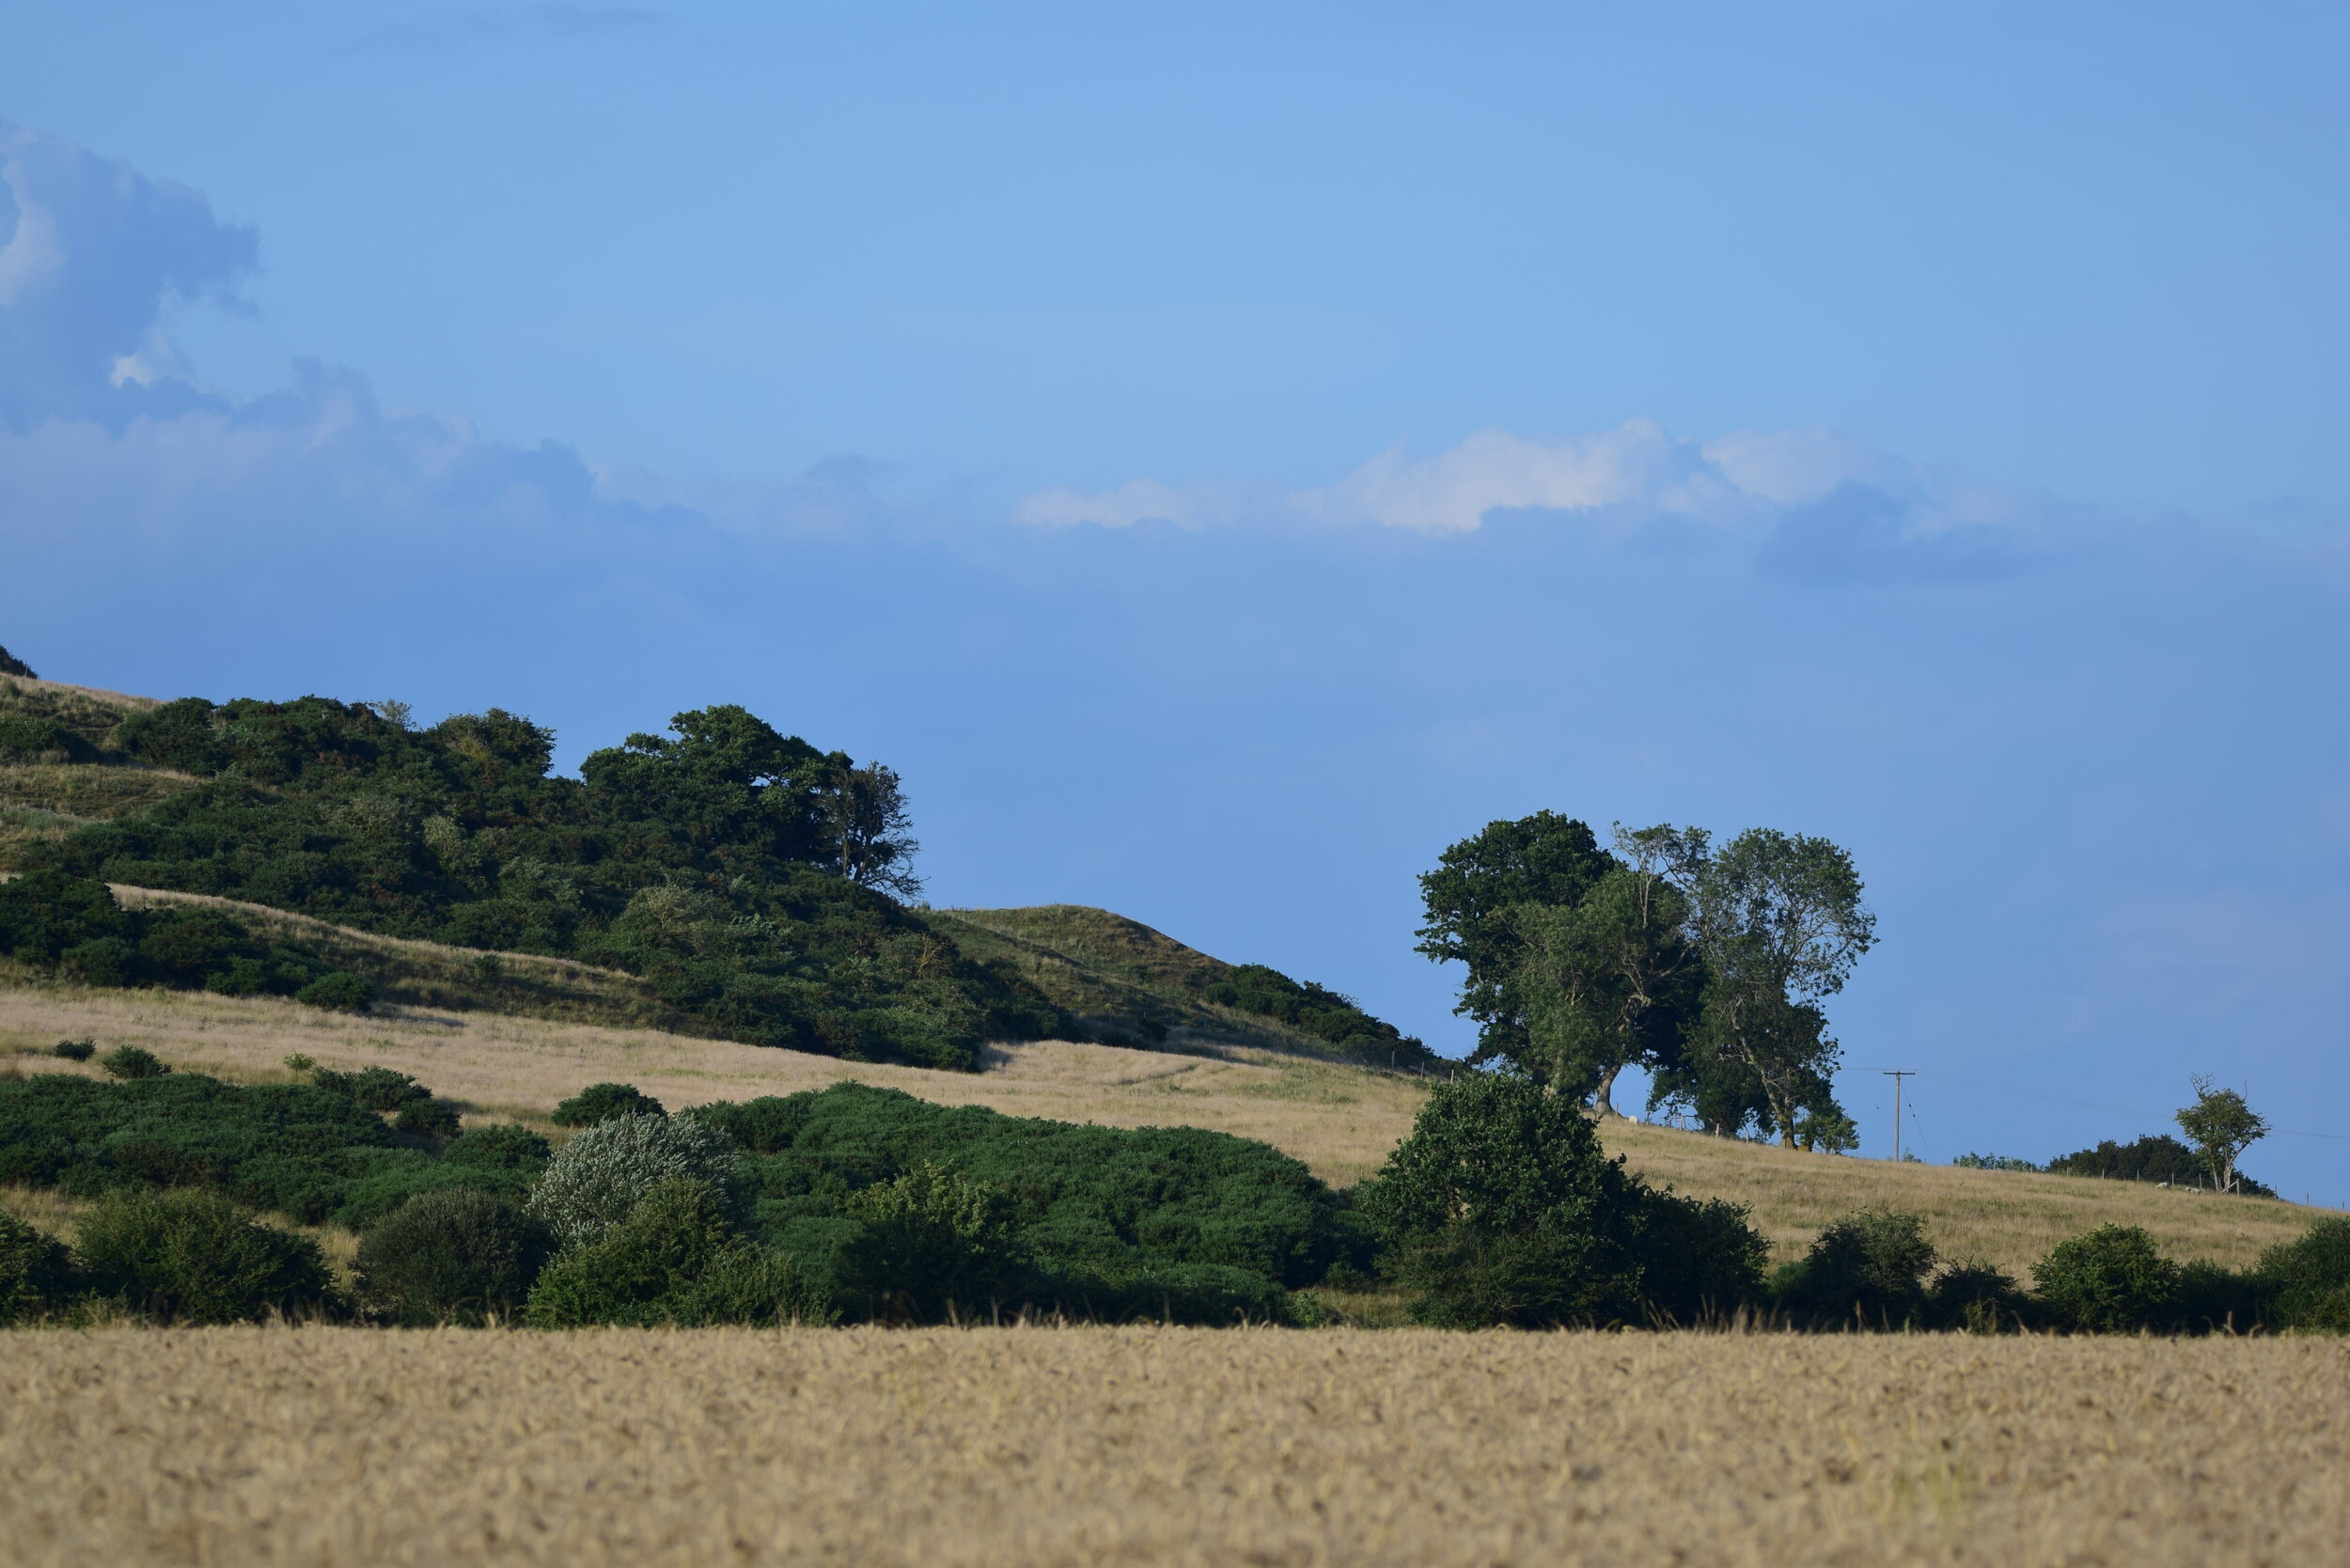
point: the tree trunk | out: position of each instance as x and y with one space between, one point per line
1603 1098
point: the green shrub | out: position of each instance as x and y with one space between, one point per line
1187 1293
100 961
293 1148
746 1283
52 916
2111 1281
673 1261
603 1102
2216 1299
1867 1268
74 1050
341 992
35 1273
2308 1280
192 1257
932 1245
500 1145
1500 1209
1979 1298
1701 1259
1095 1207
375 1089
132 1061
454 1256
431 1117
595 1181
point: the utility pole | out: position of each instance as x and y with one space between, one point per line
1897 1075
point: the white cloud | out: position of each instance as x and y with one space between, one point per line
1136 501
89 252
1638 464
1452 492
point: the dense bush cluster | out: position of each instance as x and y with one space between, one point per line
1312 1010
306 1152
75 925
1159 1222
864 1204
709 861
1500 1208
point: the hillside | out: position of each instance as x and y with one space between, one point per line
52 739
694 865
738 878
1136 986
1340 1119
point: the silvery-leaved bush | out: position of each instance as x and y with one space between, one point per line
598 1176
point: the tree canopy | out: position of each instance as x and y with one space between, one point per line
1708 967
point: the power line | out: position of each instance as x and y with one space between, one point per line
2067 1099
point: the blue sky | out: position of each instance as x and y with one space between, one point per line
1222 455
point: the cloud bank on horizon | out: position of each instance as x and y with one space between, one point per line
2076 753
101 405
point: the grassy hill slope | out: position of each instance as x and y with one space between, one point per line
51 783
1340 1119
1133 986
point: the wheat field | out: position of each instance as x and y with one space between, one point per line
1044 1447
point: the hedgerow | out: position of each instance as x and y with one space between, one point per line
305 1152
1114 1222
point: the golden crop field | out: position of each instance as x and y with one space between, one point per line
1044 1447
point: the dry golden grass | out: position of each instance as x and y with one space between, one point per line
1041 1447
1341 1120
2009 1219
432 975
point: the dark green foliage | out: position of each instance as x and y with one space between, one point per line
429 1118
193 1257
1979 1298
74 1050
177 735
375 1089
931 1245
27 739
1995 1162
1542 859
2309 1280
339 992
1152 1222
36 1273
2216 1299
1500 1209
1701 1258
2112 1280
11 665
453 1256
673 1261
603 1102
1866 1269
1309 1008
132 1061
49 917
2155 1158
500 1145
691 859
299 1150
